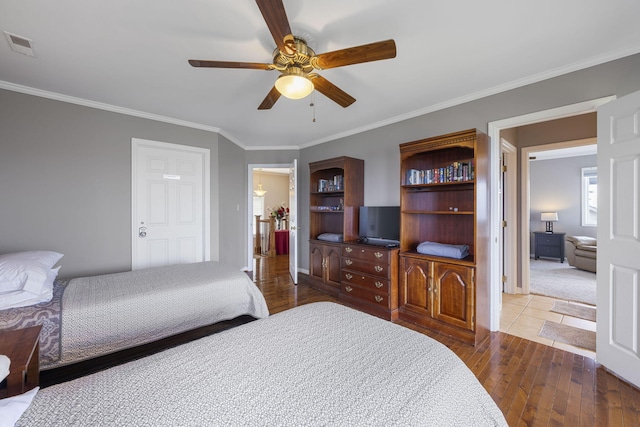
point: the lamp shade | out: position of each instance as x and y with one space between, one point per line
293 84
549 216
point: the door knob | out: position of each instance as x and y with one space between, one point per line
142 232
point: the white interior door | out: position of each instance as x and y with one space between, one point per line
618 277
293 221
170 204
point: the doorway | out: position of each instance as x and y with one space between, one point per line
270 189
519 263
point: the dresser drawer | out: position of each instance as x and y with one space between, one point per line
548 251
367 253
377 269
549 239
357 278
365 295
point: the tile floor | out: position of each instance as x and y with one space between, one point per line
524 315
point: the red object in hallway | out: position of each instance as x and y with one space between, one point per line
282 242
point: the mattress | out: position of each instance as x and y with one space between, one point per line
93 316
318 364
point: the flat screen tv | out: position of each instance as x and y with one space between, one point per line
379 224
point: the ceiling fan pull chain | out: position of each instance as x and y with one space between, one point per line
313 105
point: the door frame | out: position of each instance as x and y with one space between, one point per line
250 168
494 129
509 233
206 202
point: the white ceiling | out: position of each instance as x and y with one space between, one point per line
131 56
559 153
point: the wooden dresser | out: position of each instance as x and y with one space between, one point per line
369 279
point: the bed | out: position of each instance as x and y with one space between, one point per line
317 364
93 316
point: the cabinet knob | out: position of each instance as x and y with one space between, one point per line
378 298
348 288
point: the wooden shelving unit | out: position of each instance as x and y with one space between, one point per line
444 199
336 194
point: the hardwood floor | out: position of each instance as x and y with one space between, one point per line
533 384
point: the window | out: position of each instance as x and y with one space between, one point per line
590 197
258 206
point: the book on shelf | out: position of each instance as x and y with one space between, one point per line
335 184
455 172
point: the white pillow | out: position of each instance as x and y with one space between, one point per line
5 363
26 271
13 299
12 408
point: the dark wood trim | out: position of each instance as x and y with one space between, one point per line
69 372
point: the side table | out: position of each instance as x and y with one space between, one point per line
22 347
549 245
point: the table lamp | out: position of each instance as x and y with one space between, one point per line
549 218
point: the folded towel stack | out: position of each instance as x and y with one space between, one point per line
441 249
330 237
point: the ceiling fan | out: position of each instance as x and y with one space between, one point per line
296 61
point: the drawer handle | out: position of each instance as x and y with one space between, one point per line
348 249
378 298
348 288
378 254
348 276
378 269
348 261
379 284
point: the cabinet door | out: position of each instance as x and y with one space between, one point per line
332 265
454 295
415 286
316 262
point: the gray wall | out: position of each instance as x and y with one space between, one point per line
65 169
379 147
65 180
555 186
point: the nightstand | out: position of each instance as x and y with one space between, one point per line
22 347
549 245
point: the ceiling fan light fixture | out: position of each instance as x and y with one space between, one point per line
293 84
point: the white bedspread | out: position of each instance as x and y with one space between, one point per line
319 364
111 312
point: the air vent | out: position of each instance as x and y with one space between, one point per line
20 44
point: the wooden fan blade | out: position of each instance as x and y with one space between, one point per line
228 64
355 55
276 18
271 99
332 91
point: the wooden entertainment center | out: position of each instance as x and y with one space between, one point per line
443 201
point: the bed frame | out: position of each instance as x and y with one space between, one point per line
75 370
